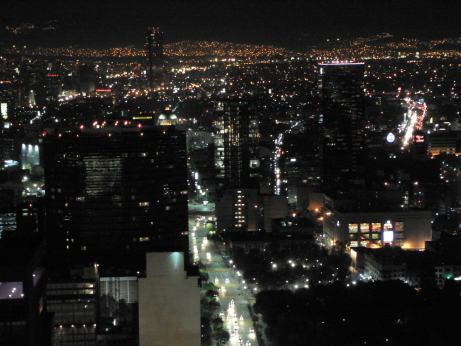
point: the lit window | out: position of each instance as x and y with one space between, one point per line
387 226
364 227
353 228
376 227
388 236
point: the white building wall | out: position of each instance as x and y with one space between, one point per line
169 303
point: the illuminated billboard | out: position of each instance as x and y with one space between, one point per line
4 110
388 236
419 138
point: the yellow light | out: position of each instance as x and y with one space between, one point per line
145 117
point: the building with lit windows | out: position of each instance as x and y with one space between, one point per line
233 142
114 191
10 199
357 222
343 111
247 210
235 210
74 304
445 142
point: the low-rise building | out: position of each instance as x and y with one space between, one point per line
394 263
447 249
350 224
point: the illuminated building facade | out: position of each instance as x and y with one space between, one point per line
343 108
74 307
235 210
4 116
10 199
235 116
348 224
236 143
408 229
116 189
249 210
29 156
446 142
239 211
154 51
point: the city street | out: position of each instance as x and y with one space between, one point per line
233 297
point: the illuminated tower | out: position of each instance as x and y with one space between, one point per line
232 143
343 123
154 51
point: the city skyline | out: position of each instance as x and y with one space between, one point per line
163 183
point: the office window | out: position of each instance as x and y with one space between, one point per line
376 227
353 228
364 227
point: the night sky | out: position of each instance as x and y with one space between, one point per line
288 23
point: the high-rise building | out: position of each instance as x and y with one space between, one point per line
232 143
154 51
115 190
169 302
343 106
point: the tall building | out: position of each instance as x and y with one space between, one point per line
154 51
169 302
116 190
343 122
232 143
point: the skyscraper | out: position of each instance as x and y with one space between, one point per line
343 122
232 144
235 142
114 190
154 51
